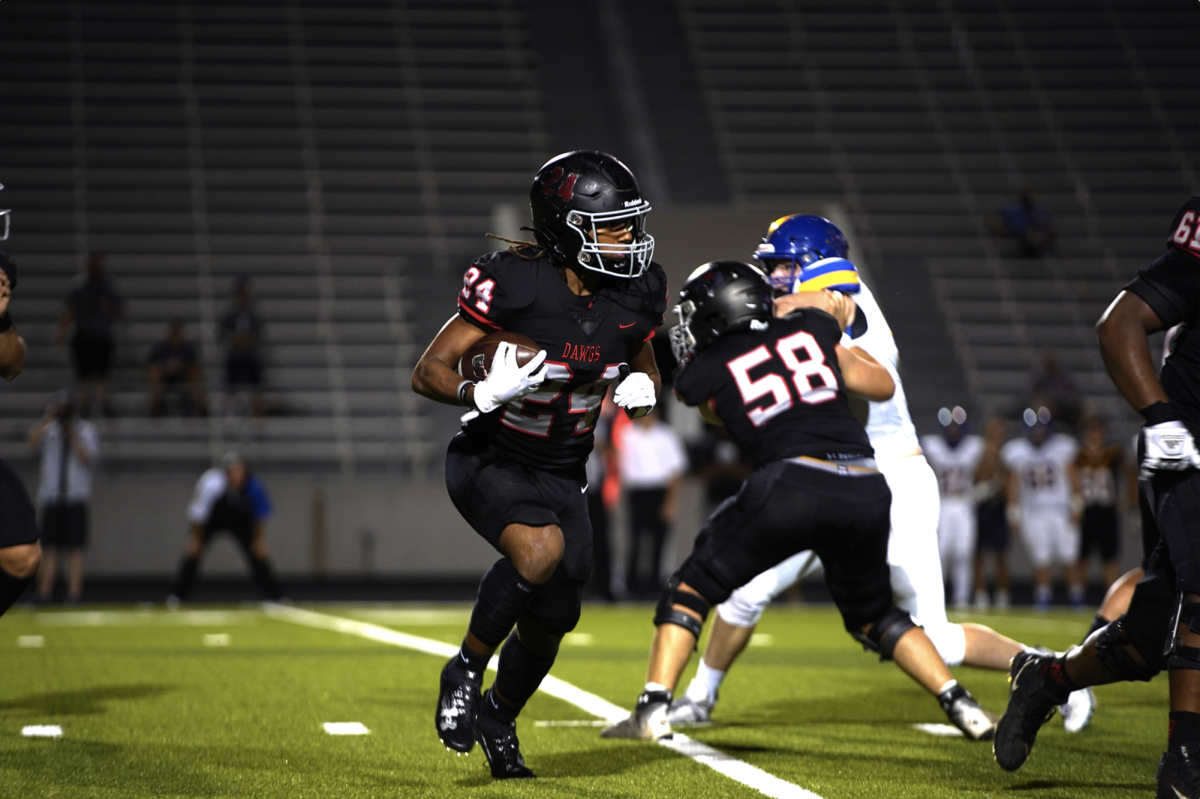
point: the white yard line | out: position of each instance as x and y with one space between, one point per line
140 618
737 770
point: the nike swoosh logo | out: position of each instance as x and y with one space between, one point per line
1018 676
584 489
631 324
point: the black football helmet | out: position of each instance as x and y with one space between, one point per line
719 297
576 191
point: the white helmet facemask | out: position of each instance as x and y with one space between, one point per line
635 256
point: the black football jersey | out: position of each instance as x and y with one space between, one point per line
778 390
586 340
1171 287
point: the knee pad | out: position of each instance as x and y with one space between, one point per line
503 596
885 632
1110 649
665 613
1178 655
950 640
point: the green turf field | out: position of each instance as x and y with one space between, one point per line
149 707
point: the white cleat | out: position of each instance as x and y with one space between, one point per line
687 712
648 723
1078 709
968 715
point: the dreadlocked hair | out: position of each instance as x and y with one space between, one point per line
525 250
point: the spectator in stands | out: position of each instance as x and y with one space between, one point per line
93 307
1055 390
69 447
173 372
242 329
991 481
229 499
652 462
1102 469
1029 223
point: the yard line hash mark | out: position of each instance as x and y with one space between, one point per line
42 731
731 767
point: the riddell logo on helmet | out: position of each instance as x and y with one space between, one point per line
628 203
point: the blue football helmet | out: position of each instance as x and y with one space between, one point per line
814 249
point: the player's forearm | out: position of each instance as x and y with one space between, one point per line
1125 347
434 379
12 354
867 379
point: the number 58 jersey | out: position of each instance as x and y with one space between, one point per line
586 339
778 389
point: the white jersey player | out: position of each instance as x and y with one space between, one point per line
954 457
805 254
1045 503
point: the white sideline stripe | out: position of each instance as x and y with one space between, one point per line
736 770
946 730
346 728
31 641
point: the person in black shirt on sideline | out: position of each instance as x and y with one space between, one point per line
20 551
588 293
1164 294
778 384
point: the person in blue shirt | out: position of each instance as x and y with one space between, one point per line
228 498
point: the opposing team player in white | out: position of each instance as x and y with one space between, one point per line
955 456
1044 502
806 254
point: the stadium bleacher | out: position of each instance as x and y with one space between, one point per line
348 156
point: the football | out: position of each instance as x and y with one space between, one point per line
477 360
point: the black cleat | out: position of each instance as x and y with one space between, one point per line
458 704
498 739
1032 701
1179 773
967 714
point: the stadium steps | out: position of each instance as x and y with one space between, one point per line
923 117
332 152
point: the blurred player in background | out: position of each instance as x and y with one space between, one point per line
1102 470
805 255
1044 503
777 379
588 293
20 552
228 498
955 456
69 448
1166 603
991 484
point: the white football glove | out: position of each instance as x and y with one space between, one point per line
1169 447
506 381
635 394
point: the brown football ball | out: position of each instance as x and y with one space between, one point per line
477 360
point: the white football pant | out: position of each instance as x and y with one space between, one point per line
956 543
1049 536
916 567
